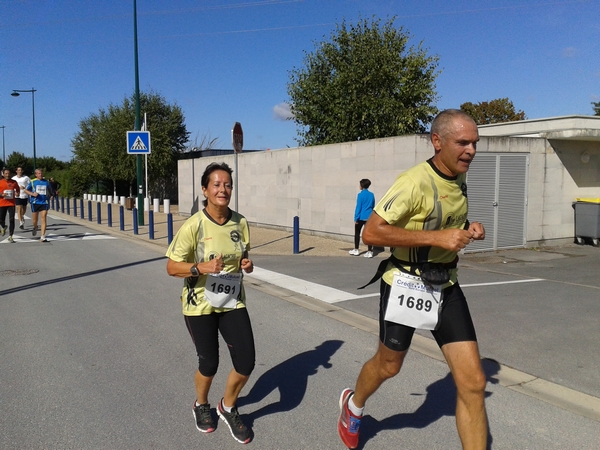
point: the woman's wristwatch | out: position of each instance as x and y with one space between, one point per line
194 270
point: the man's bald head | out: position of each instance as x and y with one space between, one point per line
442 124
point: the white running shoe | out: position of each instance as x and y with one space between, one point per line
21 225
354 252
369 255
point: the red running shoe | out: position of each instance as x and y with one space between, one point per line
348 423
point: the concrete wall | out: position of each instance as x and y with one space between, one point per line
320 184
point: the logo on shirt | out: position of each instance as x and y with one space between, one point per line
235 236
463 188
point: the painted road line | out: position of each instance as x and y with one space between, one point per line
314 290
20 239
502 282
332 295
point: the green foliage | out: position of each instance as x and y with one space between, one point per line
596 108
99 148
17 159
364 83
495 111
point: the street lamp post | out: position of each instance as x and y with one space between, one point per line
15 93
3 152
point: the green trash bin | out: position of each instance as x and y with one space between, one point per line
587 220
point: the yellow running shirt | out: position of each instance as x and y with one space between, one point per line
201 239
423 198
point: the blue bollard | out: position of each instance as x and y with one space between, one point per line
151 224
74 207
68 206
121 218
99 212
135 221
90 210
169 228
62 205
296 235
81 207
109 214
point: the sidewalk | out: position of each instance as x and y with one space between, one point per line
264 241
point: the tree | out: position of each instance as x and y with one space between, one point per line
99 151
363 83
16 159
494 111
596 108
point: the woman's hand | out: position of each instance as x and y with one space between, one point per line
215 265
247 265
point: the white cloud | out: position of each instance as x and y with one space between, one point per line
282 111
569 52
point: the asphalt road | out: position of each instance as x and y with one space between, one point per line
95 355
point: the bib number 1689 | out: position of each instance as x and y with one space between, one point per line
419 304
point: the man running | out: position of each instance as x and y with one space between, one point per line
23 199
424 218
9 190
40 193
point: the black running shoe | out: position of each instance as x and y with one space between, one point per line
238 430
204 420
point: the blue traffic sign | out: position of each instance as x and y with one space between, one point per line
138 142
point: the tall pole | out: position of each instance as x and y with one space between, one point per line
140 193
15 93
3 152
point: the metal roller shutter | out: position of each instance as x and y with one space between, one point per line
497 192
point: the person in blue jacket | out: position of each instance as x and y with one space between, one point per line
365 202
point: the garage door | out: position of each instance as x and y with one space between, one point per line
497 190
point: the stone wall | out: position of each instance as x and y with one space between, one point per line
319 184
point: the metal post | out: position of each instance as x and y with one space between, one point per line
140 193
74 207
151 224
121 218
15 93
68 206
99 212
135 221
169 228
62 204
90 210
81 207
109 214
296 235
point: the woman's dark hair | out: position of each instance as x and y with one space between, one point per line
365 183
212 167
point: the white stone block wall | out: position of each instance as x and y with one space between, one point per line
319 184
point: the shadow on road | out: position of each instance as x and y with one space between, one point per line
440 401
77 275
290 378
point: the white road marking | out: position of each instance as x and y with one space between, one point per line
20 239
332 295
314 290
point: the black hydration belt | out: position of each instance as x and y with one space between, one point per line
431 273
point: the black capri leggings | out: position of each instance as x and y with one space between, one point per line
236 330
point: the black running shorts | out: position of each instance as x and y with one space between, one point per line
455 321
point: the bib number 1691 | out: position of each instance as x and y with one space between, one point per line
222 289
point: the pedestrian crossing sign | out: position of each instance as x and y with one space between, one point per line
138 142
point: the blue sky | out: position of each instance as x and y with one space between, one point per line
227 61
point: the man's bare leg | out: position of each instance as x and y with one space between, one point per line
471 419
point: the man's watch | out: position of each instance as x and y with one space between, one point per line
194 271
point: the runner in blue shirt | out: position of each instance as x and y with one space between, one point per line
40 192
